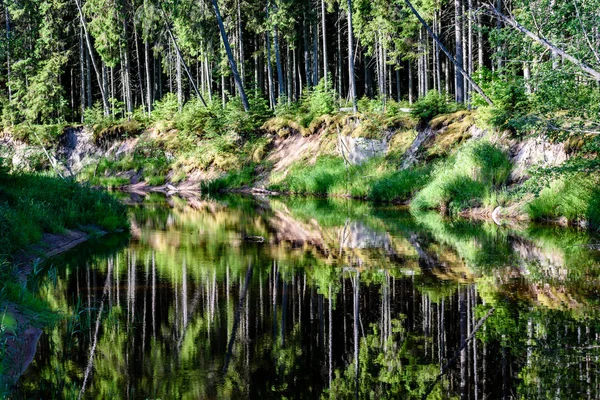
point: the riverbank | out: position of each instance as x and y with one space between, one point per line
454 163
40 217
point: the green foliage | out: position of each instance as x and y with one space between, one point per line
166 108
433 104
399 186
374 180
511 104
315 102
465 179
34 204
574 197
232 180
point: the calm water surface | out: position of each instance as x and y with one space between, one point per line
340 300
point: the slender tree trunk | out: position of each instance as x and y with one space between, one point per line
459 85
339 61
241 42
179 82
445 50
470 46
306 51
479 44
88 80
82 72
91 55
352 78
139 66
125 66
148 78
398 93
323 10
232 64
315 69
7 19
270 72
280 80
498 28
410 83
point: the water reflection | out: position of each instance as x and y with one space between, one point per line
341 300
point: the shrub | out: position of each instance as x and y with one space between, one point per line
511 105
433 104
465 179
573 197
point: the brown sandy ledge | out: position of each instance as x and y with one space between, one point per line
22 344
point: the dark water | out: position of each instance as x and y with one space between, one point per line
341 300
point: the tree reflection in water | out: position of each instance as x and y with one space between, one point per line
342 300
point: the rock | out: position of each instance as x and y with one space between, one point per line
358 150
534 152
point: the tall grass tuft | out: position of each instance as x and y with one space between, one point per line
465 179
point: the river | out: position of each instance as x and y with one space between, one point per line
241 297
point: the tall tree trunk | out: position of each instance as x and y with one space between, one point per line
232 64
323 10
139 66
459 85
125 66
148 77
270 72
315 59
306 51
498 28
7 19
241 41
91 55
445 50
82 73
280 80
479 45
88 79
179 82
410 83
339 61
470 47
352 78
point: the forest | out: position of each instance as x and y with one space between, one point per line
68 61
252 179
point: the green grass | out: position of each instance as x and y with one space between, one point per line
31 205
465 179
374 180
232 180
399 186
575 198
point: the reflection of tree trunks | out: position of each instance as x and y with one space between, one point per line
153 296
284 302
236 320
330 345
98 318
425 260
458 352
356 321
475 372
462 306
